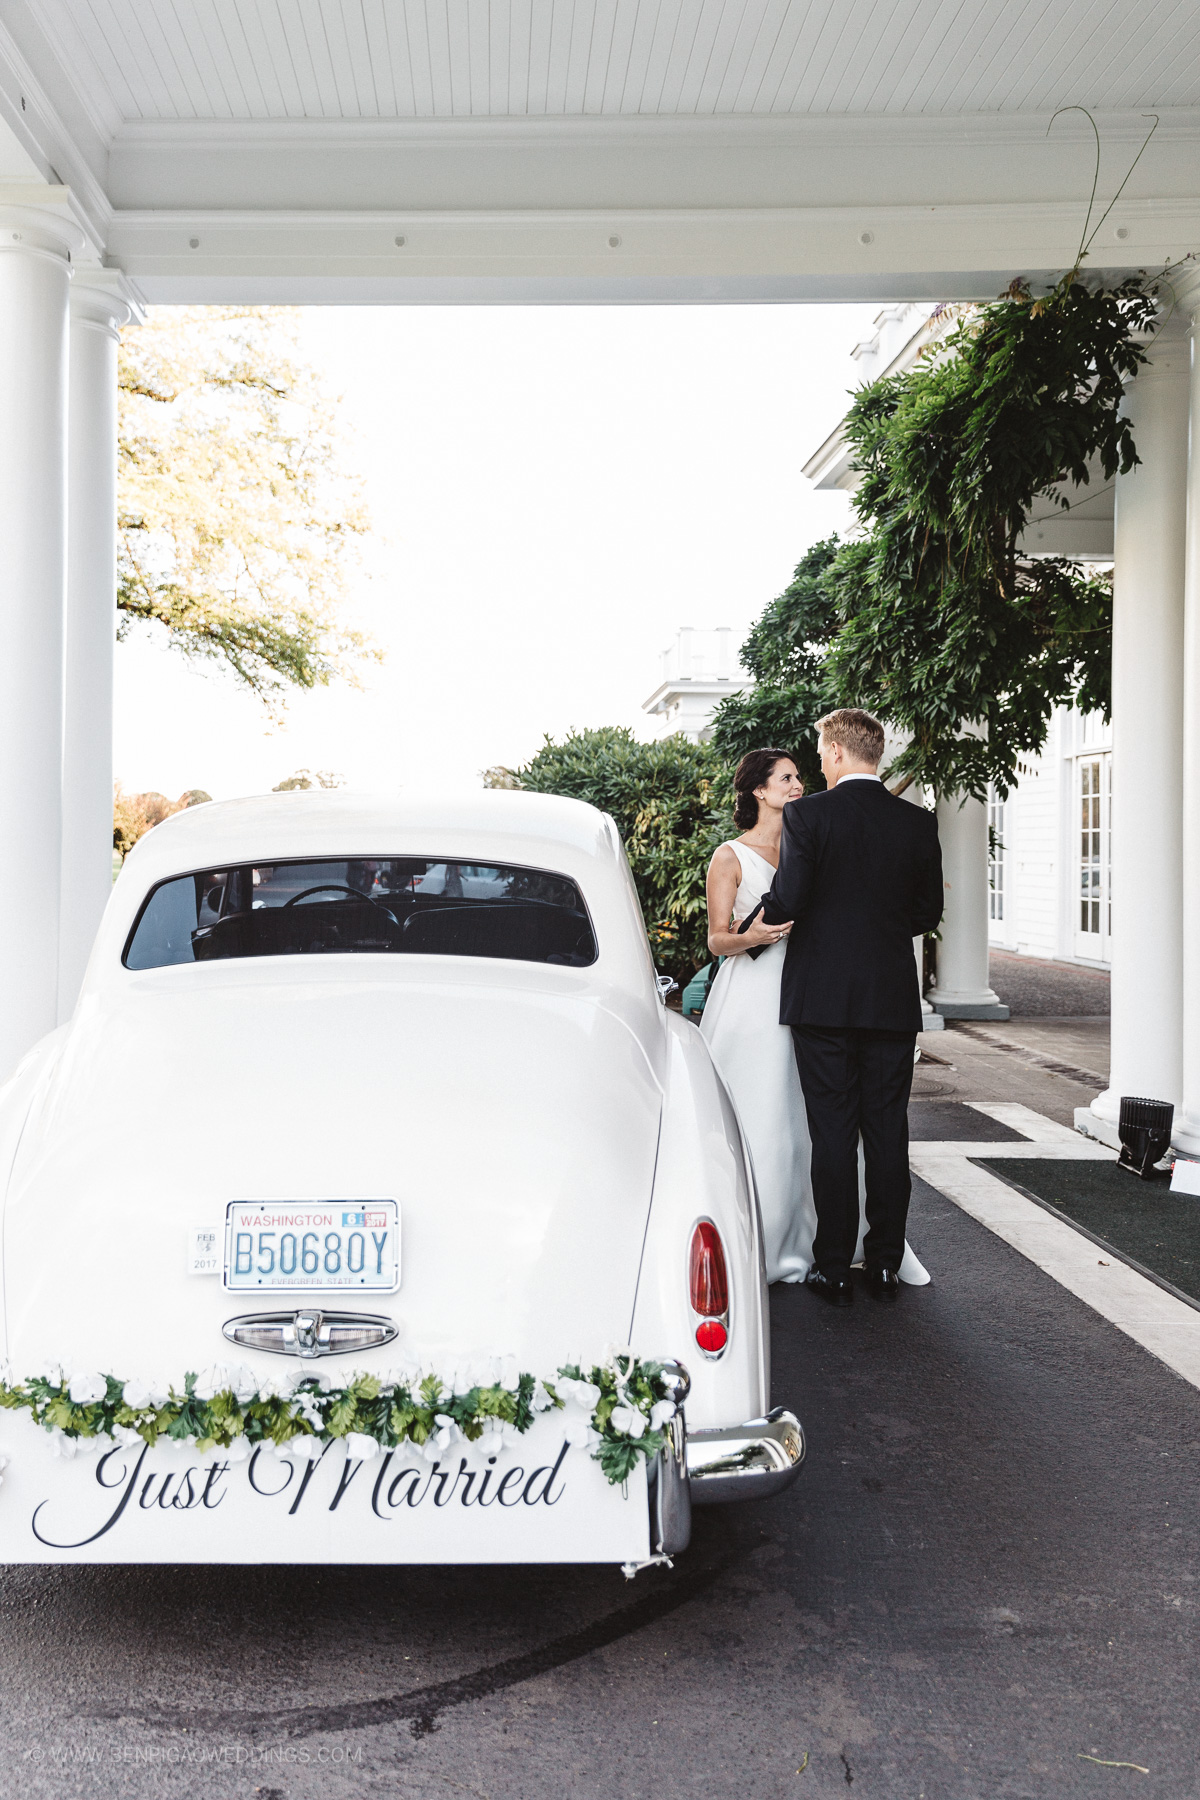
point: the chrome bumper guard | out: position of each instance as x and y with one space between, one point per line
745 1462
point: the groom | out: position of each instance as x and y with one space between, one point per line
860 872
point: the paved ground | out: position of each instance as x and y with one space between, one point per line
987 1572
1022 1060
1037 989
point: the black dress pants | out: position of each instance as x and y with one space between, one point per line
857 1081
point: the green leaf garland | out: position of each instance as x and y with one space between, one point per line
623 1400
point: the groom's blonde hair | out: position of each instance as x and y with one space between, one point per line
860 735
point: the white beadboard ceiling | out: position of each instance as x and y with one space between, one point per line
180 60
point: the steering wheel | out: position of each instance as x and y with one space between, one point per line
339 887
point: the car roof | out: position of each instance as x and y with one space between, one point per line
540 830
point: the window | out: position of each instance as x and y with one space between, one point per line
1093 915
996 856
363 905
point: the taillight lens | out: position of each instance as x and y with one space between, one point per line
708 1280
712 1336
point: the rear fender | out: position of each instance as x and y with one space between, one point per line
703 1173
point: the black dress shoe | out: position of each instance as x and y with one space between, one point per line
884 1284
837 1293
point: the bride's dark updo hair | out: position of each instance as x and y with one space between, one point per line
754 771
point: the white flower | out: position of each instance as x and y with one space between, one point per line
244 1383
125 1434
160 1392
660 1412
302 1449
307 1408
362 1445
238 1450
52 1372
136 1395
448 1432
84 1389
628 1421
212 1382
63 1445
280 1387
541 1401
87 1446
3 1466
579 1433
584 1393
482 1372
509 1372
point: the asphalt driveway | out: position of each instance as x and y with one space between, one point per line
986 1576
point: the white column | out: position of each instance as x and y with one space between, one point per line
963 990
35 244
97 313
1187 1120
1147 765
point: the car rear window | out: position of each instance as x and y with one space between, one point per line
376 905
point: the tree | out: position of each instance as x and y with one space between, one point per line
309 778
786 654
136 814
236 520
946 623
670 803
932 615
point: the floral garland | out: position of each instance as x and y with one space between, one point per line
617 1409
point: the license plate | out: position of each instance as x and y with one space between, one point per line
349 1245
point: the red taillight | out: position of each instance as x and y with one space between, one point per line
708 1283
712 1336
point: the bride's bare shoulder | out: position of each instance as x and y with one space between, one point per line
725 861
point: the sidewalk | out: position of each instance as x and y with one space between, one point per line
1052 1055
1050 1065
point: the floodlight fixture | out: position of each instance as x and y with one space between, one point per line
1144 1127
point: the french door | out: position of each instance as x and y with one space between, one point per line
1093 904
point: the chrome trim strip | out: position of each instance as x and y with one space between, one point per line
308 1332
745 1462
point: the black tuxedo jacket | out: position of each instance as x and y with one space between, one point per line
860 872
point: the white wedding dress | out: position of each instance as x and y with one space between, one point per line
754 1053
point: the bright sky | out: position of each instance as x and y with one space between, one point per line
554 491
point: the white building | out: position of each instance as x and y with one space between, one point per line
699 670
709 151
1050 863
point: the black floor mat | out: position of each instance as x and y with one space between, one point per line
950 1122
1143 1221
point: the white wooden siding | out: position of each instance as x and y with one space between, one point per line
1042 843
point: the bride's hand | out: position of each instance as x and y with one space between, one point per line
762 933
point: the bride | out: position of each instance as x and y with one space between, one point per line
741 1021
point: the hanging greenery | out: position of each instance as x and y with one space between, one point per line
946 621
934 615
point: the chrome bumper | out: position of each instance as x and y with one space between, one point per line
745 1462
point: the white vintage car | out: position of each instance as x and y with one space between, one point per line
370 1138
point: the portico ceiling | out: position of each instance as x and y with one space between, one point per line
600 149
403 59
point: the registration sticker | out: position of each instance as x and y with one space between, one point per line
351 1246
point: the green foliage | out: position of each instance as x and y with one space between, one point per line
945 622
932 615
237 522
786 652
217 1412
671 802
